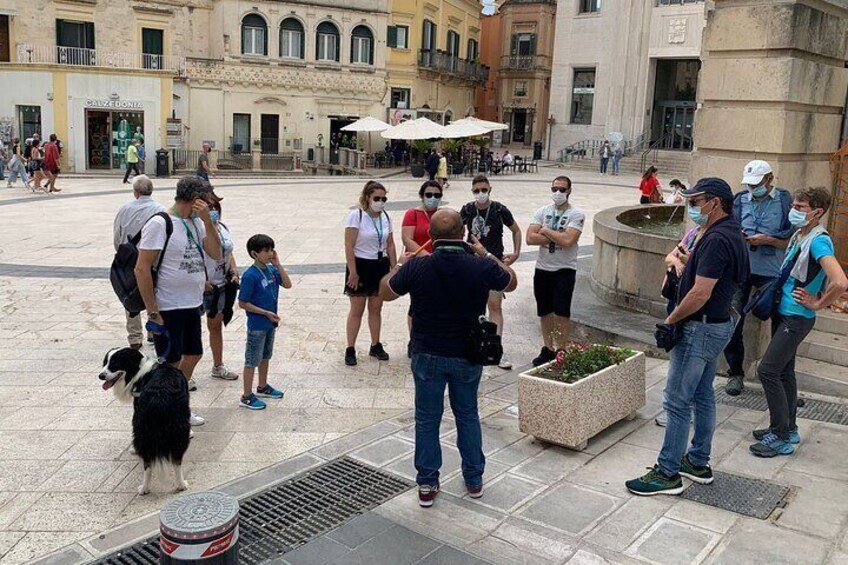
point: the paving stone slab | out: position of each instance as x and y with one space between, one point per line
626 524
361 529
673 543
507 492
396 546
570 508
756 541
383 451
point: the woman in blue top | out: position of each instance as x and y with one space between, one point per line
810 261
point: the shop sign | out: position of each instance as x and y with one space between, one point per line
174 132
114 104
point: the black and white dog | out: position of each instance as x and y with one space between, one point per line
160 409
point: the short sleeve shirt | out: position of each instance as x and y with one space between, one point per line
260 287
217 269
132 154
562 257
201 159
487 225
182 274
767 216
373 233
821 247
420 219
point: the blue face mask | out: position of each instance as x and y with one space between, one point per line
194 215
215 215
432 203
797 218
696 215
758 191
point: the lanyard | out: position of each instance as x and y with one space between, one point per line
378 227
763 208
191 236
271 282
555 218
486 217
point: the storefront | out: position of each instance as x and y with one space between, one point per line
110 126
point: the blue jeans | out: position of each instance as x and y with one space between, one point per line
432 373
615 163
258 347
604 162
691 372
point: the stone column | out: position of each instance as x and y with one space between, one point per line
772 86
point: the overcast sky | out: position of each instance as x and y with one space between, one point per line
488 6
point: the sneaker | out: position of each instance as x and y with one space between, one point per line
192 386
794 436
378 352
505 365
771 446
251 403
474 491
662 419
655 482
196 420
545 356
268 391
734 386
223 372
350 356
426 495
190 433
703 475
150 338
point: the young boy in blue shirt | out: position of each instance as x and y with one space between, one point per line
260 289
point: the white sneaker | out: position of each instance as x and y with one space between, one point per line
505 365
223 372
196 420
192 386
190 434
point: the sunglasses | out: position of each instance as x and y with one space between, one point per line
479 190
432 195
562 189
379 198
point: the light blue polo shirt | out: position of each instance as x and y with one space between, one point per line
822 246
768 216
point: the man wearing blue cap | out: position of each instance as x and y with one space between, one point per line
696 332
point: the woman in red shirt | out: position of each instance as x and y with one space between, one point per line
415 229
650 187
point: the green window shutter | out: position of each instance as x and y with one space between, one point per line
533 44
513 49
89 35
391 37
60 36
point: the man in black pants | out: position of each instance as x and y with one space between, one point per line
132 160
431 165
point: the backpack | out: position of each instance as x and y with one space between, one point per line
122 272
27 150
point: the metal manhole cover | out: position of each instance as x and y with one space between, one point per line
813 409
291 513
750 497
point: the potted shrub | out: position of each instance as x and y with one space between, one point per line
420 149
584 391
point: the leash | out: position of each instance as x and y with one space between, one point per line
160 329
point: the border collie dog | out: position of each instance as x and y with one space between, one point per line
160 409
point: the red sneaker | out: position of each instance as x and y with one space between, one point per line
474 491
426 495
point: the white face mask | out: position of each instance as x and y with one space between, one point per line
377 207
481 197
559 198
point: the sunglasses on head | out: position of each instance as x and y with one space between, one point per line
479 190
560 189
379 198
432 195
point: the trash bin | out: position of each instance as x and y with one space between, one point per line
537 150
162 163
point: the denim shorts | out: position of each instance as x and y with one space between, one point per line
259 346
211 306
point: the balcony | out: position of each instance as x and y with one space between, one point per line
82 57
450 66
526 63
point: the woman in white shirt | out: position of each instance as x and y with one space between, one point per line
369 254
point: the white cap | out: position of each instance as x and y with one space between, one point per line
755 171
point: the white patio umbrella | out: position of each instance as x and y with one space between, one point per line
465 129
422 128
367 125
491 126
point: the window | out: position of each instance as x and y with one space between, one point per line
152 48
523 44
74 43
473 50
29 121
453 49
590 6
401 98
362 46
241 133
327 46
428 37
398 37
5 52
582 96
291 39
520 88
254 37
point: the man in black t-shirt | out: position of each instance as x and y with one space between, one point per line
484 221
448 291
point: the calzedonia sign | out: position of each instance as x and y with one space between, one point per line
114 104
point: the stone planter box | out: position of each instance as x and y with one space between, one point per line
569 414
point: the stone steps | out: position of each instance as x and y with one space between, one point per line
832 322
821 378
633 166
826 347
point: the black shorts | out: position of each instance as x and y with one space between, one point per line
184 331
644 199
553 291
371 272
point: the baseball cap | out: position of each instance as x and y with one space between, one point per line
755 171
713 186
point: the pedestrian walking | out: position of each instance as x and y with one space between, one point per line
17 165
484 221
51 163
442 172
808 263
449 290
695 333
4 158
605 153
132 160
35 166
369 254
203 169
617 154
431 164
556 230
650 187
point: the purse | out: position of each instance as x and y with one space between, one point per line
766 298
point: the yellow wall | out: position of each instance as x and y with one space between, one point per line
166 86
60 109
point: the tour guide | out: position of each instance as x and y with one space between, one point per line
449 290
696 332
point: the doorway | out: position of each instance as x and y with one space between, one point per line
339 138
678 122
108 134
519 125
675 91
270 132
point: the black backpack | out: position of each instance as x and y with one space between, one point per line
122 273
27 150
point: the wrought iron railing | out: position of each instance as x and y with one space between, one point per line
653 150
444 62
520 62
80 56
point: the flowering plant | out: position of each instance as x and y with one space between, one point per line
579 360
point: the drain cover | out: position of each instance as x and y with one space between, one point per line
288 515
814 409
751 497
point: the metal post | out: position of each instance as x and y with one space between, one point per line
202 526
551 122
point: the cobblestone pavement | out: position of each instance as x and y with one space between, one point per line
66 473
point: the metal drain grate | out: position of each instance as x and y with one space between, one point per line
813 409
293 512
751 497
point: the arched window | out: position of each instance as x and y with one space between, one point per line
327 45
254 35
291 39
362 46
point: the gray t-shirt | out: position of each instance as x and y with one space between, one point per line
562 257
203 158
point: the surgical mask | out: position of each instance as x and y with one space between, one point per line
758 191
559 198
432 203
696 215
481 197
377 207
797 218
215 215
194 215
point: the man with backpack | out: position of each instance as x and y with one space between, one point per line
130 219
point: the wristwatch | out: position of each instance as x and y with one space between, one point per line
154 314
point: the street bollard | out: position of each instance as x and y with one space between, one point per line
199 528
